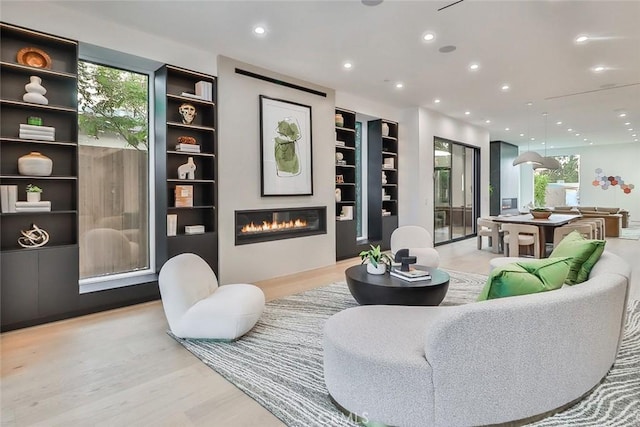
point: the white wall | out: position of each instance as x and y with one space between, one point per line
239 175
419 202
61 21
615 160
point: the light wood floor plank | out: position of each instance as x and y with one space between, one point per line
121 368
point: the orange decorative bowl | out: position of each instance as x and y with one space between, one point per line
540 214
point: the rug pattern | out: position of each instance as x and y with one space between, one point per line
279 363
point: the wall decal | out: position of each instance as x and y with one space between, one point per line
604 181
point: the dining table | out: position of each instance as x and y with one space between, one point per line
546 226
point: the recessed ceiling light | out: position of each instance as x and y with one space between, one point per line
466 113
487 121
543 143
437 101
399 85
505 87
570 130
581 39
558 123
447 49
522 134
428 37
585 140
529 103
259 30
635 134
533 139
347 65
591 143
636 140
631 129
599 68
627 123
577 134
507 129
551 146
622 115
474 67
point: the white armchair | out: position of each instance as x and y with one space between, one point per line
197 308
418 241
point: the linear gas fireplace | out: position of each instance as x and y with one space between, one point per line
262 225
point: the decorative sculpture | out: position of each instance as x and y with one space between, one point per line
188 170
188 113
33 238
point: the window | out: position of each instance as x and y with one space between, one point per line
114 174
559 187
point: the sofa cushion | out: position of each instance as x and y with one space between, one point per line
584 254
526 277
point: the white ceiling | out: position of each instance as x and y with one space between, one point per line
527 44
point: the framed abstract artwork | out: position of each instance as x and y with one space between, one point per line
285 148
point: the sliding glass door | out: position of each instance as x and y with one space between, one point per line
455 198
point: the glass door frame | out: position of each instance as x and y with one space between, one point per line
475 208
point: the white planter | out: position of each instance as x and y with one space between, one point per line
33 197
380 269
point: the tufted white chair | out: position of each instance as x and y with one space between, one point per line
196 307
418 241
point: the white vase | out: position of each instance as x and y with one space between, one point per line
338 195
385 129
35 92
380 269
339 120
33 197
35 164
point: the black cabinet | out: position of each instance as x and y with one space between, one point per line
39 282
176 142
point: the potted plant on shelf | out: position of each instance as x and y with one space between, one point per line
377 261
33 193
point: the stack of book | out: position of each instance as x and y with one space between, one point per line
42 133
42 206
188 148
413 275
341 162
205 90
8 198
340 143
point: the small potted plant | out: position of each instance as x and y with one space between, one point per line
33 193
377 261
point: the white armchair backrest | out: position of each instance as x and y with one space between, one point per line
184 280
410 236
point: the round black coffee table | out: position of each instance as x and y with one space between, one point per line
384 289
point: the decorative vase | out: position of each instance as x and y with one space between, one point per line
385 129
188 113
339 120
338 195
35 92
380 269
540 214
33 196
35 164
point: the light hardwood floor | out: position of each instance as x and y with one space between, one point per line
120 368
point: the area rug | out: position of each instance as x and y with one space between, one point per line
279 363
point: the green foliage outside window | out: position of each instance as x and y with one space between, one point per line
113 101
540 182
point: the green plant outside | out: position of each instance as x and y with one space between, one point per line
540 183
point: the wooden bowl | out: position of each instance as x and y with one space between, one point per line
33 57
540 214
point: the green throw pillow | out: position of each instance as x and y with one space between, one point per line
584 253
526 277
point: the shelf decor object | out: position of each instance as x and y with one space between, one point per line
35 92
33 238
187 170
35 164
33 57
188 113
33 193
285 136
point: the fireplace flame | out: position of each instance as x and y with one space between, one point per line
275 225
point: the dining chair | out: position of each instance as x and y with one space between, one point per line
491 230
516 235
560 232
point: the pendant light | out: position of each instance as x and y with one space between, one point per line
549 163
530 157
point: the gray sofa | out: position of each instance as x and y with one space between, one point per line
481 363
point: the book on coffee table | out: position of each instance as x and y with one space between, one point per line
413 275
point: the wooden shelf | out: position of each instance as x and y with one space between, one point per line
189 99
193 207
345 166
345 147
345 183
38 71
391 138
186 153
211 233
389 153
63 212
197 127
195 181
58 178
28 105
37 141
345 129
342 202
191 73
